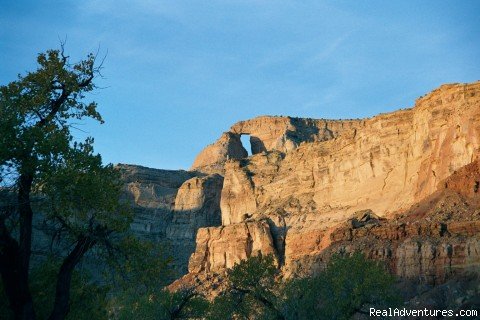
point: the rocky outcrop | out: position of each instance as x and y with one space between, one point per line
402 187
221 247
212 158
170 205
152 193
197 205
436 238
238 196
286 133
307 178
399 158
268 133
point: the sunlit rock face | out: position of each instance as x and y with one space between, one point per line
431 241
306 177
267 134
212 158
219 248
314 187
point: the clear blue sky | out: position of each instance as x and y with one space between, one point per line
179 73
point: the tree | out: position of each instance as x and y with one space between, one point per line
252 291
255 291
162 304
89 300
42 167
344 288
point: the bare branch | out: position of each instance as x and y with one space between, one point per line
62 50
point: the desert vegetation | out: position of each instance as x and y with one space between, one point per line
254 289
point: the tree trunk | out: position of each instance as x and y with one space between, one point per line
9 269
15 256
25 246
19 298
61 306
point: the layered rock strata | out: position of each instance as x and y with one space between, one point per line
307 177
315 187
434 239
268 133
171 205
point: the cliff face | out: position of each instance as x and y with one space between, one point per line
314 187
268 134
212 158
308 176
219 248
435 238
171 205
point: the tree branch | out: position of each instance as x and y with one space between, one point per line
261 299
64 279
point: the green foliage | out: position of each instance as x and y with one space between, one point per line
354 281
256 274
70 189
36 114
252 291
138 266
160 305
139 274
37 109
301 298
347 285
88 299
82 195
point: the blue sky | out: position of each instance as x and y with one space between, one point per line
179 73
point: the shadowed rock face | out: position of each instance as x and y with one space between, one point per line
197 205
152 193
170 206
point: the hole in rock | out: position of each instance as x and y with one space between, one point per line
245 139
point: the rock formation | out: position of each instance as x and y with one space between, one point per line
213 157
307 177
314 187
219 248
152 193
170 206
432 240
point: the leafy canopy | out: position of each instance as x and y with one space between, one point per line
252 291
36 111
345 287
49 178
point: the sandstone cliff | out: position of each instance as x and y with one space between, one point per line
431 241
170 206
313 187
306 177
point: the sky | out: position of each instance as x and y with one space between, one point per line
179 73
